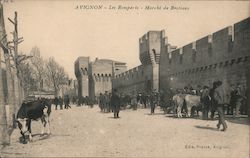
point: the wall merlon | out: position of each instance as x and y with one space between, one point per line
242 25
221 34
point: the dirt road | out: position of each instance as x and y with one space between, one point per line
86 132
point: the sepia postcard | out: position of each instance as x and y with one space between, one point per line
125 78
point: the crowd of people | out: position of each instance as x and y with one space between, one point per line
231 102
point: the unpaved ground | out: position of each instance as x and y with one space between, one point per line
85 132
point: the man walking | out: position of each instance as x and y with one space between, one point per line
212 101
101 101
66 102
56 102
239 98
205 100
60 102
219 98
115 103
153 101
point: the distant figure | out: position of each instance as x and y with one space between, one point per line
212 101
115 103
74 100
56 102
101 101
106 101
66 102
60 102
239 98
144 100
153 101
219 102
109 102
205 101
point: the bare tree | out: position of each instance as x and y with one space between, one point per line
38 65
56 74
27 77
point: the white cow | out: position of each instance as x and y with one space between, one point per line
190 100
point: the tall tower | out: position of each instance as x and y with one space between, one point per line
150 46
82 75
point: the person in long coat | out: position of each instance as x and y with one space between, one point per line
115 103
61 102
153 101
205 101
56 102
219 102
66 102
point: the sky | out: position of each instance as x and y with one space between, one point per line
62 30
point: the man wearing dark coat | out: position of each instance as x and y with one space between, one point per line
212 101
205 101
56 102
153 101
61 102
219 102
66 102
115 103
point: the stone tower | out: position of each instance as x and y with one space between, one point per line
150 46
82 75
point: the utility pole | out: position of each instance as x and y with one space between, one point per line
13 49
4 135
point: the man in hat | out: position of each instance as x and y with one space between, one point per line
205 101
153 101
239 98
115 103
219 102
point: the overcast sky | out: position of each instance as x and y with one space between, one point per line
62 31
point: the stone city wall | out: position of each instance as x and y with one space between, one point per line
224 56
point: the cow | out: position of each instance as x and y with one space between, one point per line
178 100
33 110
190 101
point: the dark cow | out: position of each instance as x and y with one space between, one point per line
33 110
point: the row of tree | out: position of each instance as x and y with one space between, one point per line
38 73
21 74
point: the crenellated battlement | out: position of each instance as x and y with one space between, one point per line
219 50
133 73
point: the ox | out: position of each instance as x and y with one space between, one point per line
33 110
191 101
178 100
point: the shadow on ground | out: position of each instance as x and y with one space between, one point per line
112 117
207 128
12 153
243 121
154 114
35 137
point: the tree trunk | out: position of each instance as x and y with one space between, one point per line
9 75
4 136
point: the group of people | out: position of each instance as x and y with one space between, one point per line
110 102
104 102
81 100
114 102
60 101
